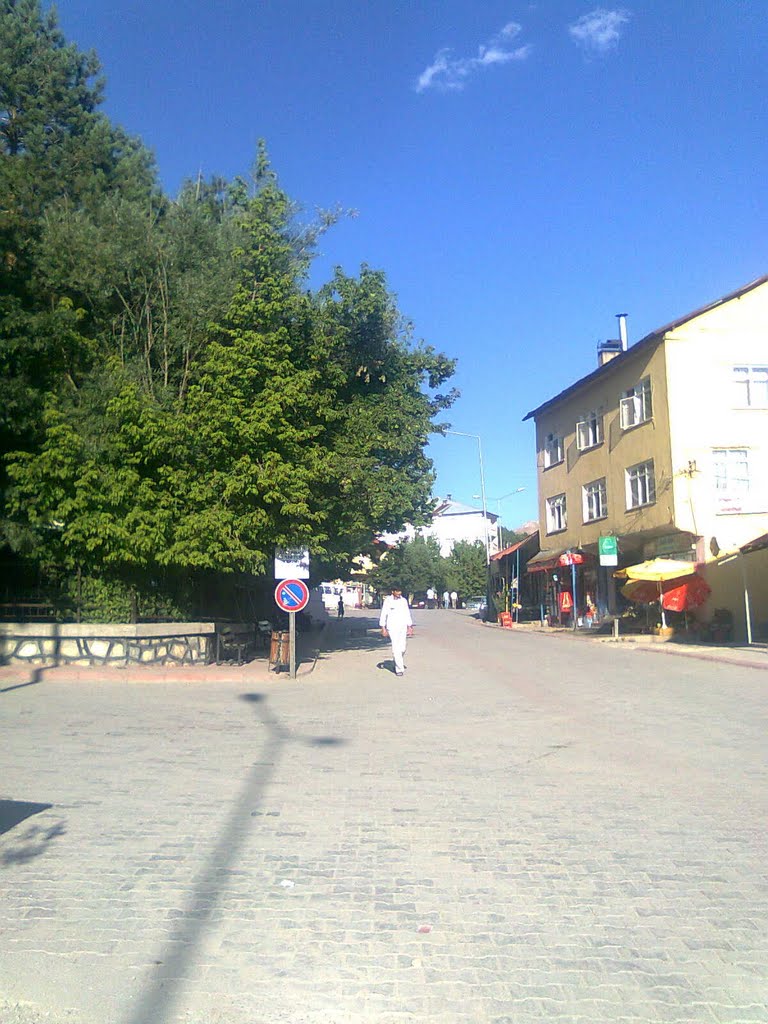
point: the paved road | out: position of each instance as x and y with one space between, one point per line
523 828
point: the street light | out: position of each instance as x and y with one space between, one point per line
498 511
460 433
498 501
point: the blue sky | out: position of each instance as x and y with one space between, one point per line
521 171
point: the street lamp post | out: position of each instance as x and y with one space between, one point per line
498 501
460 433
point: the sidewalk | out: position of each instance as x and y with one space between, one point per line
754 656
310 648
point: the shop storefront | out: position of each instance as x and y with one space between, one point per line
512 589
570 586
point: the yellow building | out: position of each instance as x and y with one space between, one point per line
664 446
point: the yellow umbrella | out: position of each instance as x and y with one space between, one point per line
657 570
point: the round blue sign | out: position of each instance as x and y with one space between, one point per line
292 595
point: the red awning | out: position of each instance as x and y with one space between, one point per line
545 561
510 550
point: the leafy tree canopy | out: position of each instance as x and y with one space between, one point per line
413 565
174 397
466 571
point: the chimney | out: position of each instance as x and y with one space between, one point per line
608 350
622 318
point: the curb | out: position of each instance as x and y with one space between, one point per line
721 659
632 643
12 677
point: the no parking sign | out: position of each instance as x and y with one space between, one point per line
292 595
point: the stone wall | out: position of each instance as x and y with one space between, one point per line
178 643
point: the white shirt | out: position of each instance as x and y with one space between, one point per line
395 614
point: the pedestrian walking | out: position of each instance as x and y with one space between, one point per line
446 599
431 595
454 599
397 624
340 607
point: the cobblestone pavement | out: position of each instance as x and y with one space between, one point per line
518 830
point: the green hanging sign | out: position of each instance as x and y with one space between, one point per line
608 550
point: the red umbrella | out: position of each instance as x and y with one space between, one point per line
684 594
677 595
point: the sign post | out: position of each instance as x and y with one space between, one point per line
572 558
608 552
291 596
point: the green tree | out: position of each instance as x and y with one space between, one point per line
58 154
510 537
466 569
414 565
302 421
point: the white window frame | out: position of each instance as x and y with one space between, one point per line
589 430
635 405
641 485
732 482
747 381
553 450
557 514
595 500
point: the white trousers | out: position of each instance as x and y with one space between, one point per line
399 640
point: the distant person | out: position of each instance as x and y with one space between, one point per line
397 624
431 595
454 599
340 607
446 599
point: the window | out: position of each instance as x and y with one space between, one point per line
595 500
553 450
731 471
641 485
635 404
589 430
750 387
556 517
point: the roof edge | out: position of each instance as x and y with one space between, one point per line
656 335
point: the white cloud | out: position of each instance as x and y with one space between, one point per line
449 73
600 30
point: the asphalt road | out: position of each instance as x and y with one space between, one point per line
523 828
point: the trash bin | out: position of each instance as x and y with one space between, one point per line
279 650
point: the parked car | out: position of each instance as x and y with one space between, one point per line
419 600
476 604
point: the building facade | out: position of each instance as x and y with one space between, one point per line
663 447
453 521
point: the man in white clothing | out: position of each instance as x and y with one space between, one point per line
396 623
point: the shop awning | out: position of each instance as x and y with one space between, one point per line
758 544
548 560
511 550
